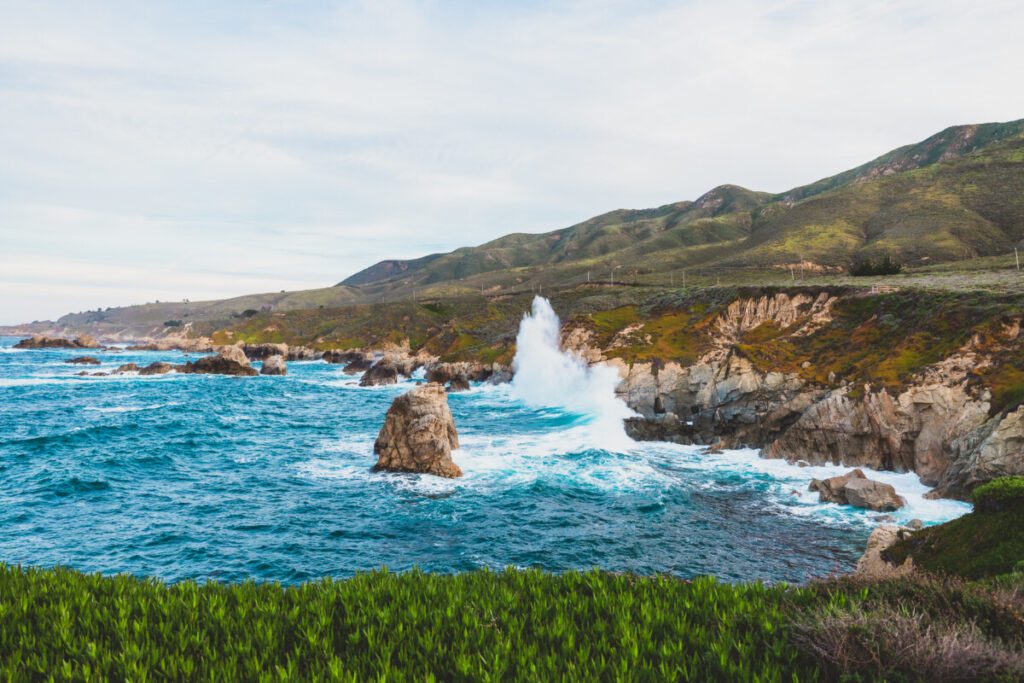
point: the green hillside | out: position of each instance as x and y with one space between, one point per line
959 194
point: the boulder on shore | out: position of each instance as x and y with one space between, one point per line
83 360
419 434
39 341
872 565
383 372
274 365
854 488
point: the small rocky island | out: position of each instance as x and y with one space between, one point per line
419 434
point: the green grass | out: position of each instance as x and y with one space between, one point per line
984 543
61 625
477 626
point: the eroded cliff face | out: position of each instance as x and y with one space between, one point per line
938 424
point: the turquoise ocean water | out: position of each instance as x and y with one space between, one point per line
208 477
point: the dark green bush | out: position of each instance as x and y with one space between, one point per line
999 495
866 266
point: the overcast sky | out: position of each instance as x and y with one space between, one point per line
207 149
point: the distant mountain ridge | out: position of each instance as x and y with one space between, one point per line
885 208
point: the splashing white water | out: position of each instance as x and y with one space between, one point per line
547 376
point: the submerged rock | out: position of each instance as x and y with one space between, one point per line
853 488
274 365
419 434
83 360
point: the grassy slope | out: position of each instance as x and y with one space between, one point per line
987 542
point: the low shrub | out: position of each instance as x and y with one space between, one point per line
978 545
897 643
999 495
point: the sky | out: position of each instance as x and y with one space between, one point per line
193 149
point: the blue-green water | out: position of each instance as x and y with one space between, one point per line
193 476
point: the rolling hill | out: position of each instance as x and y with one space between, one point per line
957 194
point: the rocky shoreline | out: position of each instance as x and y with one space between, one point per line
940 423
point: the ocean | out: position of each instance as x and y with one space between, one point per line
269 478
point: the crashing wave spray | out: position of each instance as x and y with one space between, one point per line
547 376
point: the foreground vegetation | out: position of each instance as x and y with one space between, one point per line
985 543
513 625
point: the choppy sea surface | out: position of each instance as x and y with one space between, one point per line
269 478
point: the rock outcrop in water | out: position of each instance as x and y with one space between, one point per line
274 365
38 341
381 373
853 488
419 434
157 368
230 360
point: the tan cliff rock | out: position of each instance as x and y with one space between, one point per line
938 425
872 565
419 434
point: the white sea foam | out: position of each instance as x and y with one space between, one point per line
547 376
789 482
27 381
129 409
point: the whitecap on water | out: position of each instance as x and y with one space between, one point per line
129 409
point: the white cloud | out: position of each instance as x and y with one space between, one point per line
295 143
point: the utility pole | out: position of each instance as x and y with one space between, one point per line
588 277
1017 257
792 275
